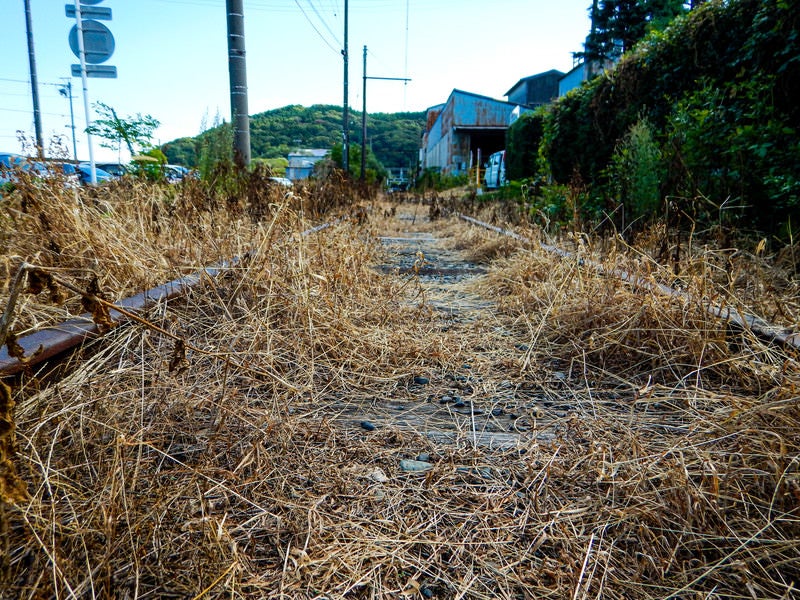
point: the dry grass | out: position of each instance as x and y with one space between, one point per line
658 453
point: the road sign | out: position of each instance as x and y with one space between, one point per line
99 13
98 43
103 71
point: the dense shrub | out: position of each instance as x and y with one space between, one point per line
719 87
523 139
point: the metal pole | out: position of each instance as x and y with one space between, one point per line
237 69
66 90
345 111
364 114
84 80
364 122
37 115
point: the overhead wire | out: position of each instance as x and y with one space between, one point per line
324 22
319 33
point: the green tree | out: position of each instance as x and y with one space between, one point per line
136 132
618 24
375 171
216 146
182 151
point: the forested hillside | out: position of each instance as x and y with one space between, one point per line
393 137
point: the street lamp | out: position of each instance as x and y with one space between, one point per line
66 91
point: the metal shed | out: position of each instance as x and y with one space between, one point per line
465 126
536 90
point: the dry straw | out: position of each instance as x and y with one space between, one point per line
656 451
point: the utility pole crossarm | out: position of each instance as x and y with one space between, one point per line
362 177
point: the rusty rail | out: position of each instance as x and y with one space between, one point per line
744 321
54 340
50 342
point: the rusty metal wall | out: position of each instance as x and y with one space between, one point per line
446 144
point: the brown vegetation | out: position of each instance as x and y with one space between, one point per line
206 455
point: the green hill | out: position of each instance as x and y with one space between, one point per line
393 137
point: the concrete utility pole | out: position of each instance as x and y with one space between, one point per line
237 69
364 114
345 111
37 115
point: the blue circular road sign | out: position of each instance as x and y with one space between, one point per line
98 43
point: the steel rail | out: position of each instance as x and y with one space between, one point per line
745 321
49 342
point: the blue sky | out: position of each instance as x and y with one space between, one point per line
171 57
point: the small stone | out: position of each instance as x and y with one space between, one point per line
424 457
378 475
445 399
496 412
466 366
415 465
421 380
368 425
459 404
427 592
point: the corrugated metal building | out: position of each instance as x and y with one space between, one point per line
536 90
301 162
457 130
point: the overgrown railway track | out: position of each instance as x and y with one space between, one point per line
410 407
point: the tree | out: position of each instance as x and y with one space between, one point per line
618 24
136 132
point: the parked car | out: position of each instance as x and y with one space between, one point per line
495 175
84 171
175 173
282 181
70 174
8 162
114 169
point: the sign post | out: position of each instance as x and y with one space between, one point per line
92 43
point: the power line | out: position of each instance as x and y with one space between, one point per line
18 110
319 33
319 16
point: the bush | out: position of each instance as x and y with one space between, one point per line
636 172
523 139
718 89
433 179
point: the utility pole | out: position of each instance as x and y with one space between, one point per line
66 90
345 111
364 114
37 115
364 121
237 69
